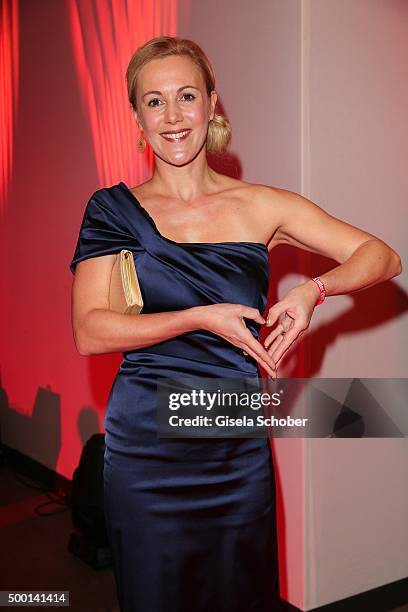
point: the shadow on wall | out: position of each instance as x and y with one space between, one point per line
370 308
40 431
38 434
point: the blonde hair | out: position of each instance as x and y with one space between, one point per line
219 129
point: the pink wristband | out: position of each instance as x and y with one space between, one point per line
322 290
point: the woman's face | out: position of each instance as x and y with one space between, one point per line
171 97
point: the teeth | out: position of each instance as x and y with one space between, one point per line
176 136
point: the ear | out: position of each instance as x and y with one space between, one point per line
136 118
213 102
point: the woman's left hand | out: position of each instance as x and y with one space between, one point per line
293 314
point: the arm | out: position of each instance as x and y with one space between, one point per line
364 260
99 330
371 263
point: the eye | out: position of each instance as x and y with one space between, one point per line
153 100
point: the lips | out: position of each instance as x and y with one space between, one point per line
176 136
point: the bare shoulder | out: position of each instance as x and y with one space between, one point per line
255 193
263 206
300 222
270 199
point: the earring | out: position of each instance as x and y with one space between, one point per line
141 144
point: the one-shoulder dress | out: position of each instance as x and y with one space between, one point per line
191 522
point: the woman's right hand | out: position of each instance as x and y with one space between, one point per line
227 320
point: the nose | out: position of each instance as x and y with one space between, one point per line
173 112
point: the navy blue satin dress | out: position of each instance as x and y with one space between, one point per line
191 522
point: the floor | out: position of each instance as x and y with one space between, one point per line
34 535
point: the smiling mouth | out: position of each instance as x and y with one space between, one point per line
177 136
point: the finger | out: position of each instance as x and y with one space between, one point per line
276 333
253 313
256 350
275 344
266 367
274 313
244 324
284 325
284 346
261 352
287 341
271 372
265 364
291 346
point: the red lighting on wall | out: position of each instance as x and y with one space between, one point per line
9 66
105 34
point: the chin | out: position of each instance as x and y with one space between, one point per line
182 161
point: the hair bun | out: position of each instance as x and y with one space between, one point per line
219 133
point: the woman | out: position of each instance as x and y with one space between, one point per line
191 522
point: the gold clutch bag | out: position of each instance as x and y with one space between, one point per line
124 289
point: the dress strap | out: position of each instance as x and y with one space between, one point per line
140 222
112 222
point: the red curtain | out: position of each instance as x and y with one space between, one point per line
9 67
105 34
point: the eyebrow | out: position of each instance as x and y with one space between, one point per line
160 93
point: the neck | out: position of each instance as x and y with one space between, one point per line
187 182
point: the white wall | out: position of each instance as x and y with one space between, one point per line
357 150
355 147
254 48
